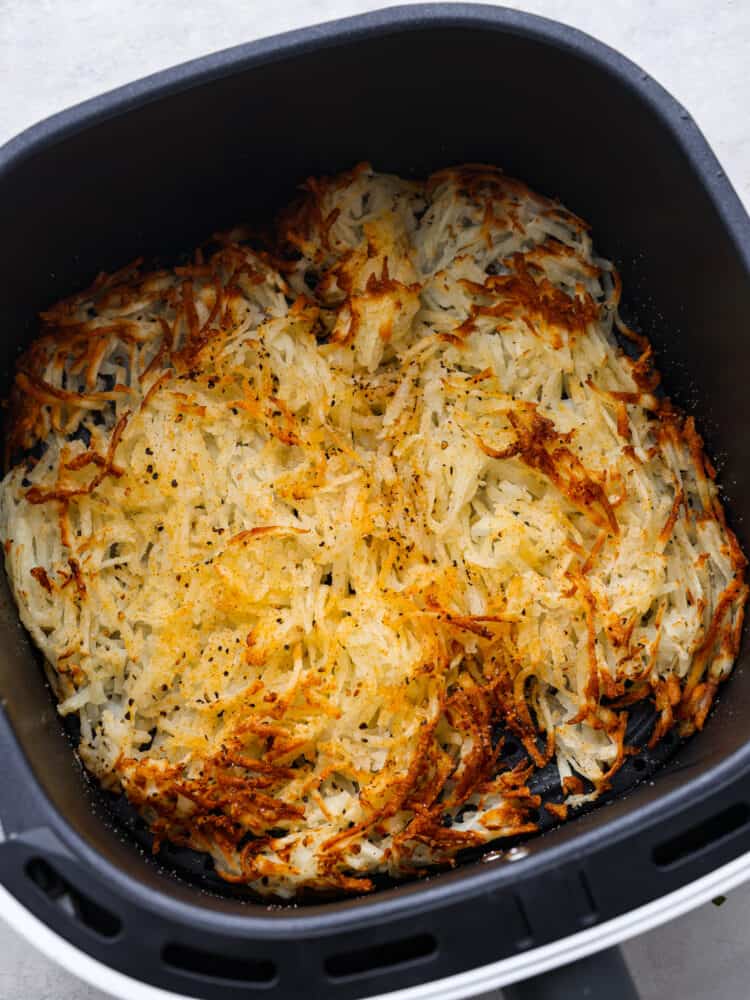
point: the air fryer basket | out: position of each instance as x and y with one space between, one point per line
153 169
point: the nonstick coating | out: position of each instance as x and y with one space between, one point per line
157 167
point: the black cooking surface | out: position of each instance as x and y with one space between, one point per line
197 868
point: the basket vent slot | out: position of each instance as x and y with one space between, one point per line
218 967
526 938
588 913
72 901
381 957
708 833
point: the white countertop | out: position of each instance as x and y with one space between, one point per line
54 53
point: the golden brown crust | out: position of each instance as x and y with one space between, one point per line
177 356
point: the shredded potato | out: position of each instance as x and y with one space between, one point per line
305 534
